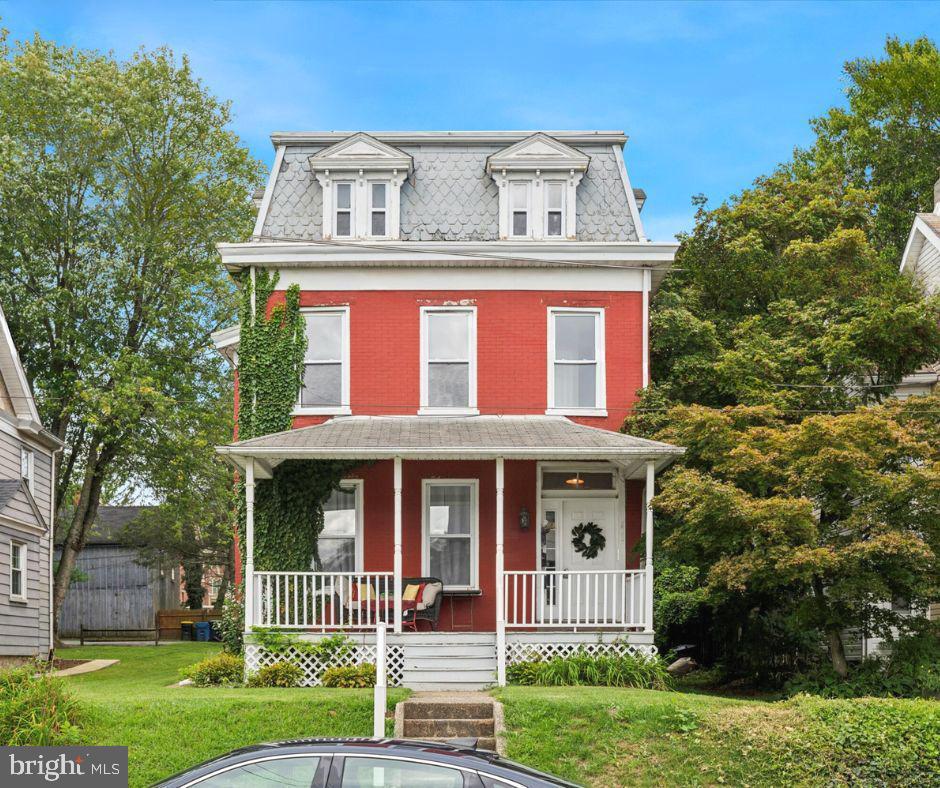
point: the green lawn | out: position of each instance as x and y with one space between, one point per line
170 728
605 737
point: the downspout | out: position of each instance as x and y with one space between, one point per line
647 286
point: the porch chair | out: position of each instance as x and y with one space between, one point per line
425 608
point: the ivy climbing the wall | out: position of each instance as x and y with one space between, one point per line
288 507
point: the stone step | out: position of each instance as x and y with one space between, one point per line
432 710
475 728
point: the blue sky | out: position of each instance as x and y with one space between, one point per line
710 94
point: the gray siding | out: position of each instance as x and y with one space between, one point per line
928 267
450 197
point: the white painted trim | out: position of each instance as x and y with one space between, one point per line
600 402
631 197
474 485
397 555
585 137
28 458
29 528
268 192
647 286
428 410
343 409
24 406
23 570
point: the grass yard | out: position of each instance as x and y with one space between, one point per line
607 737
170 728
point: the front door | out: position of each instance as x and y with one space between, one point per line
579 591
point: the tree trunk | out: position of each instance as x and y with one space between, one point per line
223 589
837 652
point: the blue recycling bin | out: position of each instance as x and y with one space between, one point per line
203 631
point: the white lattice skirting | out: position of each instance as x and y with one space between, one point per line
524 652
257 657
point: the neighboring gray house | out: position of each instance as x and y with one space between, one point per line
112 591
26 484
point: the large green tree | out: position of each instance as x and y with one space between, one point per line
831 515
117 179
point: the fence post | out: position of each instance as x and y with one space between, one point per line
156 629
381 687
81 634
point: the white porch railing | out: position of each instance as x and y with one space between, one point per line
560 599
322 600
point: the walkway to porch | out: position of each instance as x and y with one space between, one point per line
536 611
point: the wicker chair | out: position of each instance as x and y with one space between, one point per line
421 611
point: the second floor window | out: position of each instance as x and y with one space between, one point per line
326 364
554 209
343 221
448 365
27 467
519 218
378 220
576 360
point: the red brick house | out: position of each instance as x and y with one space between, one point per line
477 316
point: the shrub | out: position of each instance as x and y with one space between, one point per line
350 677
277 641
231 626
279 674
36 709
220 670
581 668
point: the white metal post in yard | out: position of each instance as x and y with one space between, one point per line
249 543
500 569
397 563
650 492
381 684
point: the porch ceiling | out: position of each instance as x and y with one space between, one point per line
452 438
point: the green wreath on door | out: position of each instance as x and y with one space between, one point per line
588 539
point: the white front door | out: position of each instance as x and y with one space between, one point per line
588 596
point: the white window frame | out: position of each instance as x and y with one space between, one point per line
358 487
352 207
564 209
14 545
343 409
370 209
600 402
28 467
474 485
471 409
513 184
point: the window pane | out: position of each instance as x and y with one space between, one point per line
574 337
449 336
339 513
449 385
16 556
554 222
372 772
322 385
378 223
337 555
519 223
450 508
343 223
378 195
575 385
343 196
290 772
548 541
520 196
554 196
324 336
450 560
571 480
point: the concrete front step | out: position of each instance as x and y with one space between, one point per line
456 710
449 686
474 728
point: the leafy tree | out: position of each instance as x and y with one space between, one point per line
834 514
117 179
887 139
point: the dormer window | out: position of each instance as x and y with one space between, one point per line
538 180
361 180
344 213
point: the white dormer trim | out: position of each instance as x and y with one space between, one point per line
362 160
537 160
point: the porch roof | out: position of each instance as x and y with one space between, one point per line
452 438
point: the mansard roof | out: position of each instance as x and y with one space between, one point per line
538 152
361 152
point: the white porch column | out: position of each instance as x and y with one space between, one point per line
500 601
650 491
249 544
397 565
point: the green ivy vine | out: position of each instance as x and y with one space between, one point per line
288 507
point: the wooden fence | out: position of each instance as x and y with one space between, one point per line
169 621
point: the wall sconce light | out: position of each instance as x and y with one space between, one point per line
523 519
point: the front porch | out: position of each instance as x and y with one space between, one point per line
463 530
